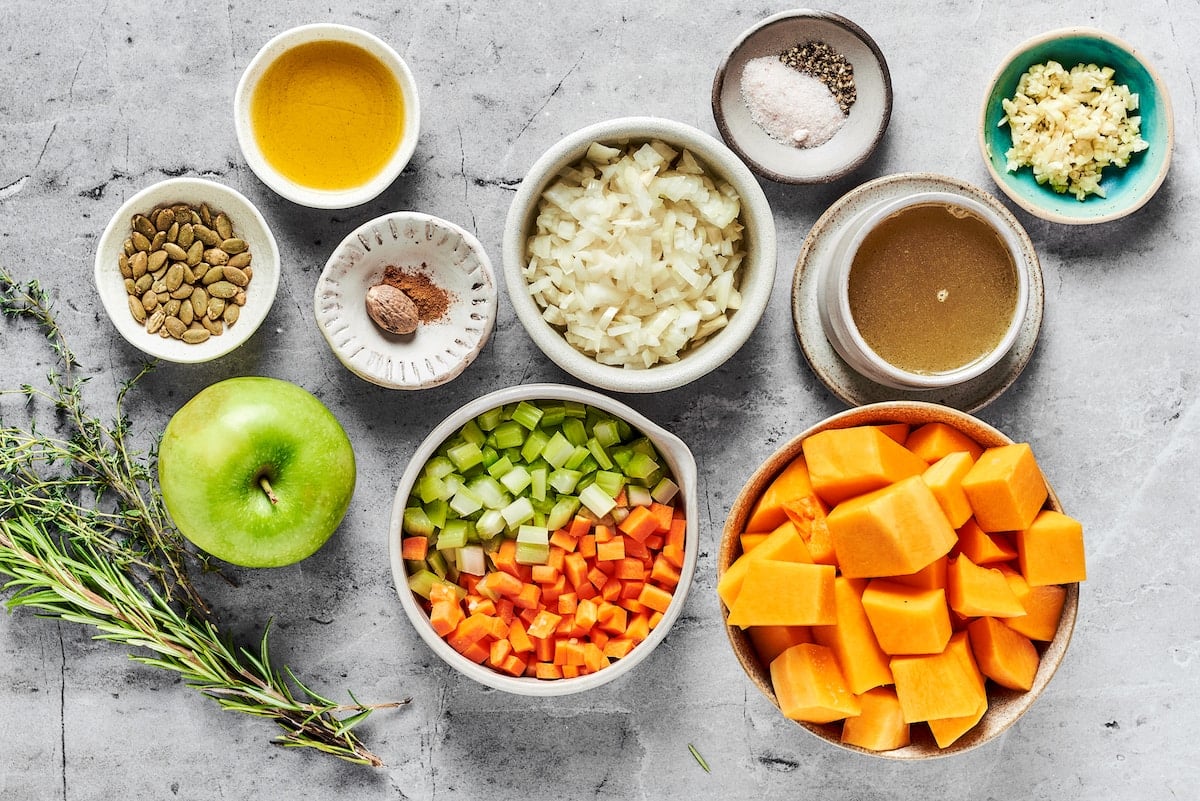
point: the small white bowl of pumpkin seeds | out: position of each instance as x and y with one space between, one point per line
187 270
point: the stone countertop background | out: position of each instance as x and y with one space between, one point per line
102 99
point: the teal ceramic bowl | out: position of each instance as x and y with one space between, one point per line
1127 189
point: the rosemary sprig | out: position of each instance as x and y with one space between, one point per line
85 538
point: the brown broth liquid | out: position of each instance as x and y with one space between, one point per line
932 288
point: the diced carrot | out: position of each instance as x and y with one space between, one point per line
665 515
513 665
655 619
551 592
678 532
640 523
571 671
611 618
568 602
622 499
555 558
469 582
445 617
635 549
610 551
543 648
546 670
618 647
505 557
575 567
631 589
483 606
653 543
611 590
499 629
654 597
543 625
519 638
587 546
545 574
414 548
593 658
673 554
630 569
503 583
598 576
477 652
598 637
664 572
562 539
632 605
469 631
441 591
499 651
573 651
579 527
586 613
505 610
639 627
529 597
604 534
565 628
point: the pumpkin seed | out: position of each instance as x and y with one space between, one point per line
206 235
156 260
158 240
186 236
156 321
139 264
174 277
213 275
184 291
216 256
176 252
140 242
175 326
199 301
142 284
130 287
137 309
182 214
128 247
240 297
173 231
186 312
231 314
195 253
212 325
223 225
123 266
163 220
194 336
234 276
171 308
206 215
239 260
233 245
142 224
216 307
150 300
222 289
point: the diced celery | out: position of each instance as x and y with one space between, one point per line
534 444
437 563
499 467
509 435
489 492
453 483
577 457
454 534
644 445
564 509
469 559
491 418
472 433
490 455
597 500
588 465
422 582
600 455
574 409
537 486
573 430
664 490
518 512
621 457
610 482
490 523
557 450
638 496
527 415
587 480
465 502
553 415
432 488
416 522
641 466
438 467
516 480
437 510
533 545
563 480
465 455
607 432
624 430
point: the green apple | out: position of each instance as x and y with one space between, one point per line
256 471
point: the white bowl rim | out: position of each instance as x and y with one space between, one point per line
1164 98
889 373
683 466
322 198
717 349
267 269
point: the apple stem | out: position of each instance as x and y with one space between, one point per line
266 485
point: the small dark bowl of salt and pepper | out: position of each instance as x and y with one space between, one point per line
803 97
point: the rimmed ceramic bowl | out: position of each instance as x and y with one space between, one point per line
1126 189
439 350
248 224
866 122
756 274
286 186
683 468
1005 707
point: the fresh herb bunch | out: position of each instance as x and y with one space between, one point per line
85 538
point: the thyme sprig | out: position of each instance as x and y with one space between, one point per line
85 538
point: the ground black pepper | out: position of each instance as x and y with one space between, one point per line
821 61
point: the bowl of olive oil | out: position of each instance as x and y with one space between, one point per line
327 115
925 291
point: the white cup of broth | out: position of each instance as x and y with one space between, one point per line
925 291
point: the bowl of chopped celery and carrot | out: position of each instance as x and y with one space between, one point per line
543 538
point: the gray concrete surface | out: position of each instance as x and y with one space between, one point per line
102 99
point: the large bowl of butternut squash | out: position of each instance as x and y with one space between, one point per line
901 580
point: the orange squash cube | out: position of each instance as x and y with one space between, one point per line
771 641
975 591
946 731
791 484
1003 655
1006 488
1043 608
846 462
944 477
1050 550
880 726
983 548
779 593
810 687
907 620
936 686
783 544
930 577
852 640
932 441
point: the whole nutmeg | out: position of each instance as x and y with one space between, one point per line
391 309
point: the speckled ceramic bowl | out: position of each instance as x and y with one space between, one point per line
1005 707
438 350
1126 189
865 124
756 276
683 468
248 224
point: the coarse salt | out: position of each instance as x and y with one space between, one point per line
793 107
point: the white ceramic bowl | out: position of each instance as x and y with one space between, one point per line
683 468
757 273
437 351
866 122
298 193
248 224
838 320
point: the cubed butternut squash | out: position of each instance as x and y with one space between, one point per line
946 731
808 516
892 531
932 441
1043 608
1003 655
771 641
1050 550
783 544
846 462
936 686
907 620
779 593
880 726
809 685
793 483
896 431
983 548
944 477
975 591
1006 488
852 640
930 577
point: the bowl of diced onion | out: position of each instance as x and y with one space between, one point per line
639 254
544 537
